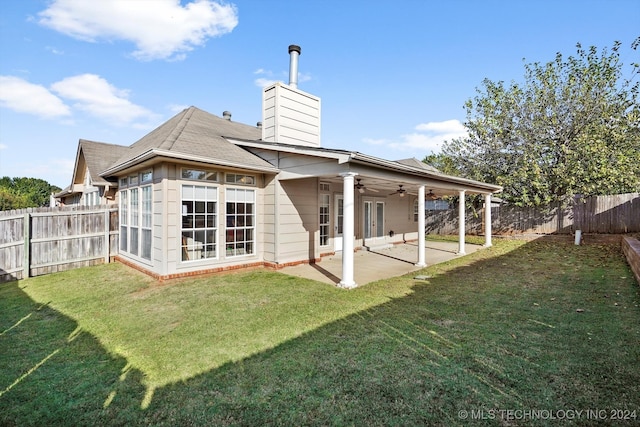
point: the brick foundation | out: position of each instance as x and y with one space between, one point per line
208 271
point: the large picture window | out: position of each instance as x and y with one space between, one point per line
240 220
199 222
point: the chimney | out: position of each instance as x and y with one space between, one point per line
259 125
295 52
290 115
226 115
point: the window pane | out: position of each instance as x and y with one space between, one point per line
187 192
146 244
123 239
212 193
133 241
199 223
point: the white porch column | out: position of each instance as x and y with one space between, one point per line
421 236
348 231
461 228
487 220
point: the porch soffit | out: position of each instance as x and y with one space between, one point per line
385 174
384 181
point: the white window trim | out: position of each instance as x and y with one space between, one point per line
254 227
218 244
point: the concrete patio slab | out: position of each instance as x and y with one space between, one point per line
378 264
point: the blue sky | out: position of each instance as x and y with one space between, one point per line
393 76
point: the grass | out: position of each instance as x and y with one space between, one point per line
496 330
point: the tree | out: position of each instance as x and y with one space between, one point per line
18 193
572 127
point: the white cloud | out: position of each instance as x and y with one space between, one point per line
160 29
54 50
270 78
177 108
19 95
3 146
96 96
428 139
267 79
446 127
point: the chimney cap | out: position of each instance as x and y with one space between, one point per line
259 124
226 115
295 48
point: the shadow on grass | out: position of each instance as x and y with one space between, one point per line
484 333
52 373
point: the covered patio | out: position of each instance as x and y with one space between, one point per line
377 264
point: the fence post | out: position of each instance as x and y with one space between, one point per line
27 245
107 242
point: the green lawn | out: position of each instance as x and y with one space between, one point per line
517 327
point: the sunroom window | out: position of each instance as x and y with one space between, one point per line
240 220
199 222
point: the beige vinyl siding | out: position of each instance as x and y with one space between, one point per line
266 221
298 220
291 116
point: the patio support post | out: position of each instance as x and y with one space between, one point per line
461 228
348 231
421 225
487 220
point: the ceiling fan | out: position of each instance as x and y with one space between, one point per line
431 195
361 188
400 191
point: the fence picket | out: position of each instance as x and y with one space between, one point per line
45 240
596 214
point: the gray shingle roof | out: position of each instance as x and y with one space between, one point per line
194 132
99 156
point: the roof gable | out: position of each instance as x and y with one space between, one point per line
96 157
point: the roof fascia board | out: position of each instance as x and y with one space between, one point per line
153 153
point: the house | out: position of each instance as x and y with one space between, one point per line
202 193
87 187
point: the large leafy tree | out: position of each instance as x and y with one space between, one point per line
572 127
20 193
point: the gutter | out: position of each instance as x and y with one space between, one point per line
153 153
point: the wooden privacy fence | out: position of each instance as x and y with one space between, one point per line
37 241
596 214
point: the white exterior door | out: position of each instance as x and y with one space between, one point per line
373 221
338 222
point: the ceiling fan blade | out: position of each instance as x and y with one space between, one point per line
373 190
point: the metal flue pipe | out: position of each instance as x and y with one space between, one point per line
295 52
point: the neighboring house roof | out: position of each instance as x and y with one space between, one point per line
99 156
196 135
96 157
